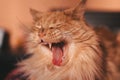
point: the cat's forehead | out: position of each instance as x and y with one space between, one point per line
52 18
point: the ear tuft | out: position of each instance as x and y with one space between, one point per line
84 1
35 14
77 12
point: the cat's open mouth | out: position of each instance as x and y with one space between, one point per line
57 50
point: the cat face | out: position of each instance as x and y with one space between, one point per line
50 27
52 32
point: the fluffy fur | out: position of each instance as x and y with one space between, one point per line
85 56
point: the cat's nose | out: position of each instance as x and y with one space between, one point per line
42 34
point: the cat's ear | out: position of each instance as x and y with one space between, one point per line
35 14
77 11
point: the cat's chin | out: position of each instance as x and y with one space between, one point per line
58 52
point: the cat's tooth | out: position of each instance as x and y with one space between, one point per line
50 45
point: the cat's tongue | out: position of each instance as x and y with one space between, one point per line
57 55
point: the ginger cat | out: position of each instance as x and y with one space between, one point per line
64 47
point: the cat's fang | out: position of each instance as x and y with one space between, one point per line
50 45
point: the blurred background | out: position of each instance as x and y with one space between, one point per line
15 13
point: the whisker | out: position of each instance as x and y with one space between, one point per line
34 45
24 27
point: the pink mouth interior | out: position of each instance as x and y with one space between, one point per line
57 55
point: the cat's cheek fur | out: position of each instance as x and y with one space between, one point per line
86 61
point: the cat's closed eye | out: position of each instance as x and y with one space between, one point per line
51 28
38 25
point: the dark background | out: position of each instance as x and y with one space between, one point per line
111 20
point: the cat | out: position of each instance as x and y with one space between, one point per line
64 47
